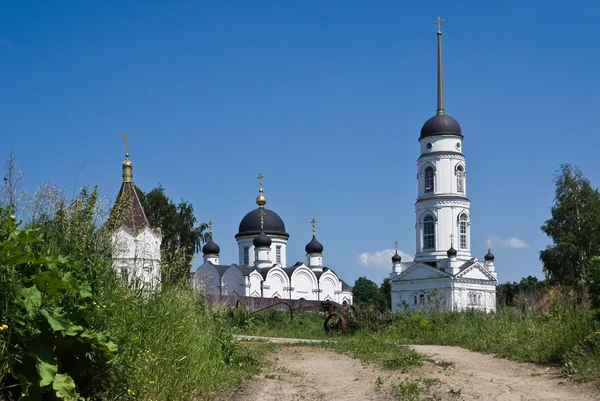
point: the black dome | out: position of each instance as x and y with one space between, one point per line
396 258
210 248
451 252
441 125
314 246
261 240
273 225
489 256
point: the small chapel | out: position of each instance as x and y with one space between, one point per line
443 275
262 269
136 250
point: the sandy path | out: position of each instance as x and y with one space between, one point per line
313 373
310 374
484 377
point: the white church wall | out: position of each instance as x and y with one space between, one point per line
276 241
304 282
441 144
209 280
233 282
137 257
277 281
330 287
474 295
446 214
256 281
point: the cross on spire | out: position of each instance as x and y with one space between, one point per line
260 178
314 222
210 223
396 245
451 239
489 244
439 21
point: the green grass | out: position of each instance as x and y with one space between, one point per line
377 348
565 336
173 347
271 323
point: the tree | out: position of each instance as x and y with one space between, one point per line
181 238
574 229
385 294
594 282
365 292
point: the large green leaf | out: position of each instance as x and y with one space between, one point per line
47 371
65 387
56 319
30 298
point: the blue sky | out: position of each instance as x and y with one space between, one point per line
327 98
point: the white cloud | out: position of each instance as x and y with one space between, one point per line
512 242
381 259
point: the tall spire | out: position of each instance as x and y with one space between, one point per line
261 201
127 167
440 83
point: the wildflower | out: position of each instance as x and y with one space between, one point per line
3 327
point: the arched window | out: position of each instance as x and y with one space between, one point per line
429 179
422 299
460 179
475 298
428 232
414 297
462 222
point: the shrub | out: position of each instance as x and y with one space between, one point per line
49 341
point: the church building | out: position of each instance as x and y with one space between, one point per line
136 248
262 269
443 275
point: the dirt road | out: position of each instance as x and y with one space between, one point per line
312 373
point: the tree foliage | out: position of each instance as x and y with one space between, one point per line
181 237
385 294
365 292
574 228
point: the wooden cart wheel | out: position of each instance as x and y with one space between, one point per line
334 322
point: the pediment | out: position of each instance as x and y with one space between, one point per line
476 272
421 271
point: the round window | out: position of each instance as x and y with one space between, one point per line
457 145
429 146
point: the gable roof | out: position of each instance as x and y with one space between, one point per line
427 272
475 271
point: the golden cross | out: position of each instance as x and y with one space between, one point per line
396 245
260 178
489 244
262 218
313 222
210 223
451 239
439 21
126 142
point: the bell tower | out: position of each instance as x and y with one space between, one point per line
442 206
